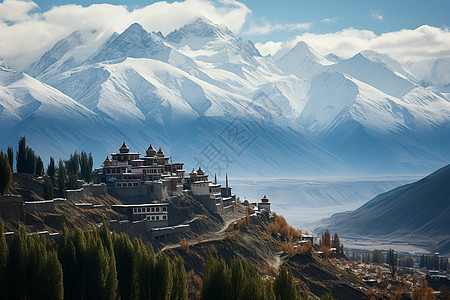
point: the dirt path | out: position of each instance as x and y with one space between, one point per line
208 237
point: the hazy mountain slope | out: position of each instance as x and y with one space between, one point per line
417 211
375 74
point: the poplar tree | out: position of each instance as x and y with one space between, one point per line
5 174
217 279
62 175
16 266
11 157
179 286
126 267
48 188
39 166
3 258
284 285
51 169
162 280
21 155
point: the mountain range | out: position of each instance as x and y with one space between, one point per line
210 98
416 213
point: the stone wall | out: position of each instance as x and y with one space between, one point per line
91 189
11 207
75 195
39 206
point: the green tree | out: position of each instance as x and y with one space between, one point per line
30 161
39 166
179 286
10 152
52 276
51 169
73 164
86 165
5 174
284 285
145 262
126 267
48 188
217 279
16 265
72 181
21 155
3 258
62 175
161 287
326 296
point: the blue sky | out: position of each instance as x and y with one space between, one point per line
322 16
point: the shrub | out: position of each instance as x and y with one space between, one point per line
184 244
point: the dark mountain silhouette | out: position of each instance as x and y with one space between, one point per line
416 213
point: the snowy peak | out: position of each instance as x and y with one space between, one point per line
389 63
199 28
302 61
55 54
134 42
374 73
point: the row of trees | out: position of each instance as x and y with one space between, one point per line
99 265
63 174
433 262
240 280
87 265
27 160
328 242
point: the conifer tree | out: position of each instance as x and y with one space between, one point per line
161 287
284 285
52 276
97 268
48 188
21 156
111 279
3 258
86 165
145 261
179 287
5 174
51 169
126 267
237 278
16 266
11 157
39 166
30 161
217 279
62 175
269 294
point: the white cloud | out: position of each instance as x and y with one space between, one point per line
26 33
376 15
421 44
267 28
329 20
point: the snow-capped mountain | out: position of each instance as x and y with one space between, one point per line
302 61
302 112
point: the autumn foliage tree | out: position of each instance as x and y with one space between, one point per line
423 292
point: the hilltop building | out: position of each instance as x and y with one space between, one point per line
154 178
264 204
